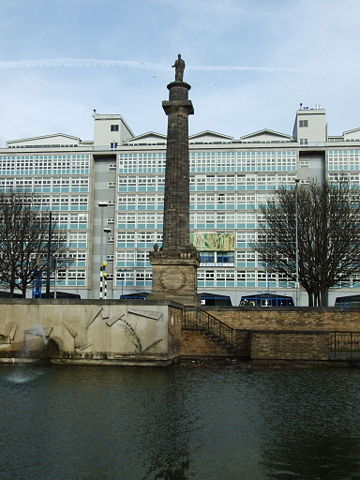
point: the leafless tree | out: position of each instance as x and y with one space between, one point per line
327 218
27 240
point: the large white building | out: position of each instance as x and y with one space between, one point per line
116 182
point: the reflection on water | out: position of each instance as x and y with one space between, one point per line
24 373
89 423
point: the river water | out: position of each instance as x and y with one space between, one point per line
96 423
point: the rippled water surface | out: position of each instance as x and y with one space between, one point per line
85 423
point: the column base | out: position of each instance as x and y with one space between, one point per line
174 279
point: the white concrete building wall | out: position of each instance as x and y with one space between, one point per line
310 126
110 131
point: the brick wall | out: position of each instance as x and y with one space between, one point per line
290 319
289 346
275 334
194 343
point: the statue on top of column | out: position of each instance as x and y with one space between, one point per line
179 66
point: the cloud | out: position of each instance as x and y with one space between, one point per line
99 63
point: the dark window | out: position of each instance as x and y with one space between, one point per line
207 257
303 123
225 257
114 128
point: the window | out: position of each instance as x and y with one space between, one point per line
114 128
303 123
207 257
225 257
303 141
216 257
113 145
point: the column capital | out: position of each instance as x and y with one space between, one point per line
178 84
170 106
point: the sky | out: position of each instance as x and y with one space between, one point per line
249 62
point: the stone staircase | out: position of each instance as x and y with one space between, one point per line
233 340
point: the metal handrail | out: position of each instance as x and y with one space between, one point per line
204 321
344 345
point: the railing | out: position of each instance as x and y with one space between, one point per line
345 345
198 319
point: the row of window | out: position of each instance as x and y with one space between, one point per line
142 162
211 161
197 201
248 259
39 158
207 182
36 162
77 240
343 160
64 202
352 178
246 161
244 239
213 278
197 220
45 184
70 221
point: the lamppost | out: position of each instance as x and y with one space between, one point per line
296 244
106 230
49 256
57 263
123 271
103 263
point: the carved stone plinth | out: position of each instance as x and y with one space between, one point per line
175 276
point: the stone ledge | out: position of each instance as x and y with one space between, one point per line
79 301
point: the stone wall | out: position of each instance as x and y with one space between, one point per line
92 330
149 333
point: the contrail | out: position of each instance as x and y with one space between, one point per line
79 63
137 64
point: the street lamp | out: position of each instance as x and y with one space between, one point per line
106 230
103 263
49 255
123 270
296 244
60 262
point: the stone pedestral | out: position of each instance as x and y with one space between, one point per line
175 276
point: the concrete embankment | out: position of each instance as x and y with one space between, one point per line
71 331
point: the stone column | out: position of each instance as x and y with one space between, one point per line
175 264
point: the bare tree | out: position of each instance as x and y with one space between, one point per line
27 239
327 218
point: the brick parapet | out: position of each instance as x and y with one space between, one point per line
290 319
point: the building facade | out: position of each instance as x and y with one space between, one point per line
107 195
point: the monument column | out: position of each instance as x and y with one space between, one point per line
175 264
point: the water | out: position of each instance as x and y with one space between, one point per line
85 423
